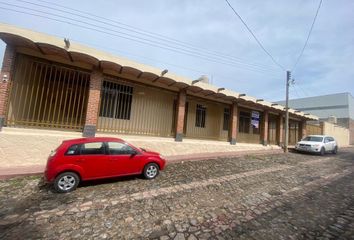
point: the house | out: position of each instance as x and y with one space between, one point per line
52 83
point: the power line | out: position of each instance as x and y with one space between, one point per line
303 90
130 37
308 36
254 36
296 92
129 28
152 34
152 59
94 28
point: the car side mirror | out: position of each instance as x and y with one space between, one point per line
133 152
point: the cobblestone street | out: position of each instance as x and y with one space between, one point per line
281 196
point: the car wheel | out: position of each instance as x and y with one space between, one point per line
335 150
323 151
151 170
66 182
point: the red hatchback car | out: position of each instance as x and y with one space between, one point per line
102 157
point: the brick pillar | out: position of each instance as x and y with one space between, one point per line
265 123
181 108
280 128
96 79
5 79
233 124
303 131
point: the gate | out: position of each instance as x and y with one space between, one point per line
272 131
312 129
47 95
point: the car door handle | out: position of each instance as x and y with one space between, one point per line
80 160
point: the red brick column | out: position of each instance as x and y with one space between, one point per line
181 108
5 78
233 124
93 104
265 123
280 128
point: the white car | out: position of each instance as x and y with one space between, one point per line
317 144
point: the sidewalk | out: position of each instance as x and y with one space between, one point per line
25 151
15 171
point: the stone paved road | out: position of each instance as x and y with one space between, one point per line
285 196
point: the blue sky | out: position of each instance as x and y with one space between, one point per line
210 28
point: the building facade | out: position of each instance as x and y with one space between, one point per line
50 83
337 108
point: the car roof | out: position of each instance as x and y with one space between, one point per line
318 136
93 139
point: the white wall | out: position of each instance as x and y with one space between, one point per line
341 134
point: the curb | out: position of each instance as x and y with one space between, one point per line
10 172
17 171
215 155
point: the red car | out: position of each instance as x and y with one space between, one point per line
102 157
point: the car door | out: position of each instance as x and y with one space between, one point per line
328 144
123 159
93 159
333 143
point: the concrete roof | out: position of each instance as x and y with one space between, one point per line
50 45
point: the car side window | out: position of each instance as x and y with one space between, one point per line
327 140
331 139
73 150
117 148
93 148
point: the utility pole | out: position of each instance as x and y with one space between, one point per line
288 77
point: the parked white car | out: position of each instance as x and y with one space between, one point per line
317 144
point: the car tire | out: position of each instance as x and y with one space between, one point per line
66 182
323 151
151 171
335 150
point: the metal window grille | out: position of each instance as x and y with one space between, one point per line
226 122
47 95
116 100
200 116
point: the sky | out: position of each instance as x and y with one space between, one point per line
204 37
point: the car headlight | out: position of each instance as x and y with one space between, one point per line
316 145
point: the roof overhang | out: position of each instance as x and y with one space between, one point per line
54 46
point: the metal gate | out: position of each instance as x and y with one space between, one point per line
47 95
272 131
293 132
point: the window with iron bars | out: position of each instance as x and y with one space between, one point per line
200 116
116 100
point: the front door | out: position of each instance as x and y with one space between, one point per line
93 159
122 159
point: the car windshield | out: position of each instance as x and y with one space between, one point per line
313 139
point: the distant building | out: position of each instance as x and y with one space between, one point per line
337 108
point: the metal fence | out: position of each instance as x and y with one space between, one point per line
47 95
